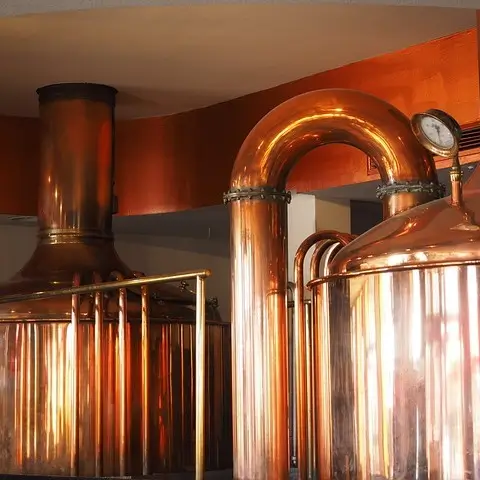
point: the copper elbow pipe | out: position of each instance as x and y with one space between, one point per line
358 119
258 238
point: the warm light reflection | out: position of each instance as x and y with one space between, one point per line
37 371
415 369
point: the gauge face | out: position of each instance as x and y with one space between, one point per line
437 132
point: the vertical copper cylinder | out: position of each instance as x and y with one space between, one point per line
260 381
292 420
76 178
101 384
402 401
258 238
302 345
39 423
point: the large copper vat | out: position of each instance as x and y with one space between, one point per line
72 390
402 348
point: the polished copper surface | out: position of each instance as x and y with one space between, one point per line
95 397
76 198
302 346
399 344
438 233
101 381
403 354
321 375
258 237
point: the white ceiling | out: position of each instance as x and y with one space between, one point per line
175 58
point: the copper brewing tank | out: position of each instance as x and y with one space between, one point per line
257 201
39 432
402 347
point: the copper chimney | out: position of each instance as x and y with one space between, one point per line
44 432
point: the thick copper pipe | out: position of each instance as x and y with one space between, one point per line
258 239
75 197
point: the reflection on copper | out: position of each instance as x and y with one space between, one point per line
97 374
200 381
122 380
403 346
74 365
145 384
99 310
59 412
258 237
439 233
301 347
402 399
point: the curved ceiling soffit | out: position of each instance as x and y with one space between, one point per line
184 161
28 7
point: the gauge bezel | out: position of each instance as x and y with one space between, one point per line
449 122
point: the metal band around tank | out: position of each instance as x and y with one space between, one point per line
411 187
77 91
256 193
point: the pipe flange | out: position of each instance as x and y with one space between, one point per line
256 193
437 190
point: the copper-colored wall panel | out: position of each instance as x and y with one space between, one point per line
438 74
19 165
184 161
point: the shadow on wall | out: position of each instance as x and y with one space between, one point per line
148 254
364 216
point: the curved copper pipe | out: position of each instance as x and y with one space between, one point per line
321 249
258 238
336 116
323 239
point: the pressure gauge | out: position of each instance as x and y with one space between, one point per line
438 132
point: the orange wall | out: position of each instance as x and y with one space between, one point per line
184 161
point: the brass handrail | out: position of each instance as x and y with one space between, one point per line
143 282
96 287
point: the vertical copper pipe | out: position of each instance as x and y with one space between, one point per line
322 255
122 373
98 384
74 352
77 159
301 341
292 445
258 236
37 366
259 379
145 381
311 467
200 379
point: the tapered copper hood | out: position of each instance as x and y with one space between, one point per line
440 233
75 239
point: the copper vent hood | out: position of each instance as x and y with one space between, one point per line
76 247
